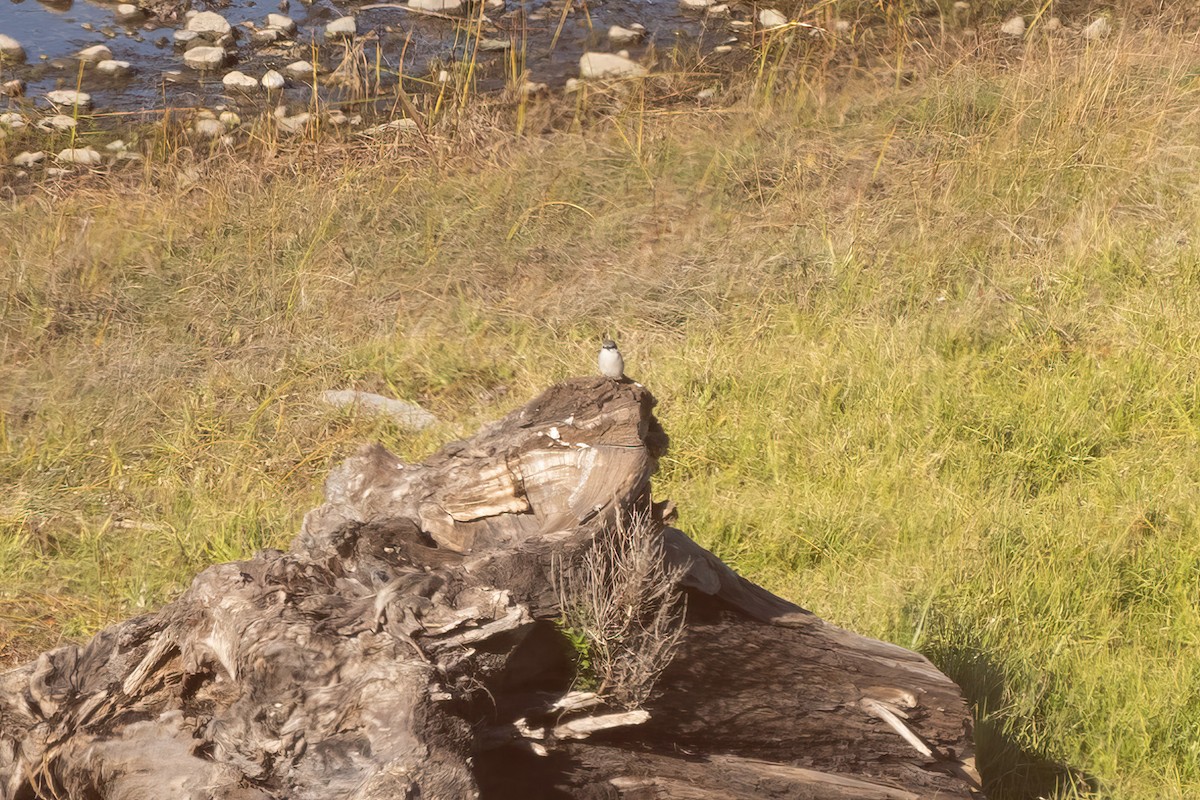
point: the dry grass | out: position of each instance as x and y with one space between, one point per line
622 609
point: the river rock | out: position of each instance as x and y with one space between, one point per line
185 37
209 24
57 122
127 12
402 124
294 124
280 22
70 97
299 69
230 119
239 80
83 156
205 57
407 415
116 146
113 68
439 6
96 52
341 28
1014 27
609 65
208 128
13 88
618 35
530 89
770 18
267 35
696 5
11 119
272 81
28 159
11 50
1097 29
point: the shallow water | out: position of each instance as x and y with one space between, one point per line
396 41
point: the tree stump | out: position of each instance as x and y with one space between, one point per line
409 645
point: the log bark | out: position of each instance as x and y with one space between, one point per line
406 646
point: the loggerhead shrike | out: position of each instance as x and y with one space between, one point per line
611 363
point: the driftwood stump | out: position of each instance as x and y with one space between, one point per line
406 646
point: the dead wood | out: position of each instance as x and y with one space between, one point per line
406 646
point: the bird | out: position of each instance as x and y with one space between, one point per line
611 363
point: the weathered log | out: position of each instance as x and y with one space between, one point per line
406 646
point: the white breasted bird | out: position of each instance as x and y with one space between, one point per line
611 363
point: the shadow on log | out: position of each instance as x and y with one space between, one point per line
406 646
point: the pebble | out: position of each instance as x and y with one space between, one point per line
239 80
696 5
97 52
341 28
13 88
183 37
280 22
210 24
11 119
572 86
609 65
57 172
272 81
230 119
1097 29
770 18
116 146
619 35
721 10
705 96
1014 27
1054 25
84 156
723 49
127 12
494 5
337 117
11 49
494 45
299 69
842 26
70 97
28 159
114 68
205 57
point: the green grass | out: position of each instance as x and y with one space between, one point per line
927 356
